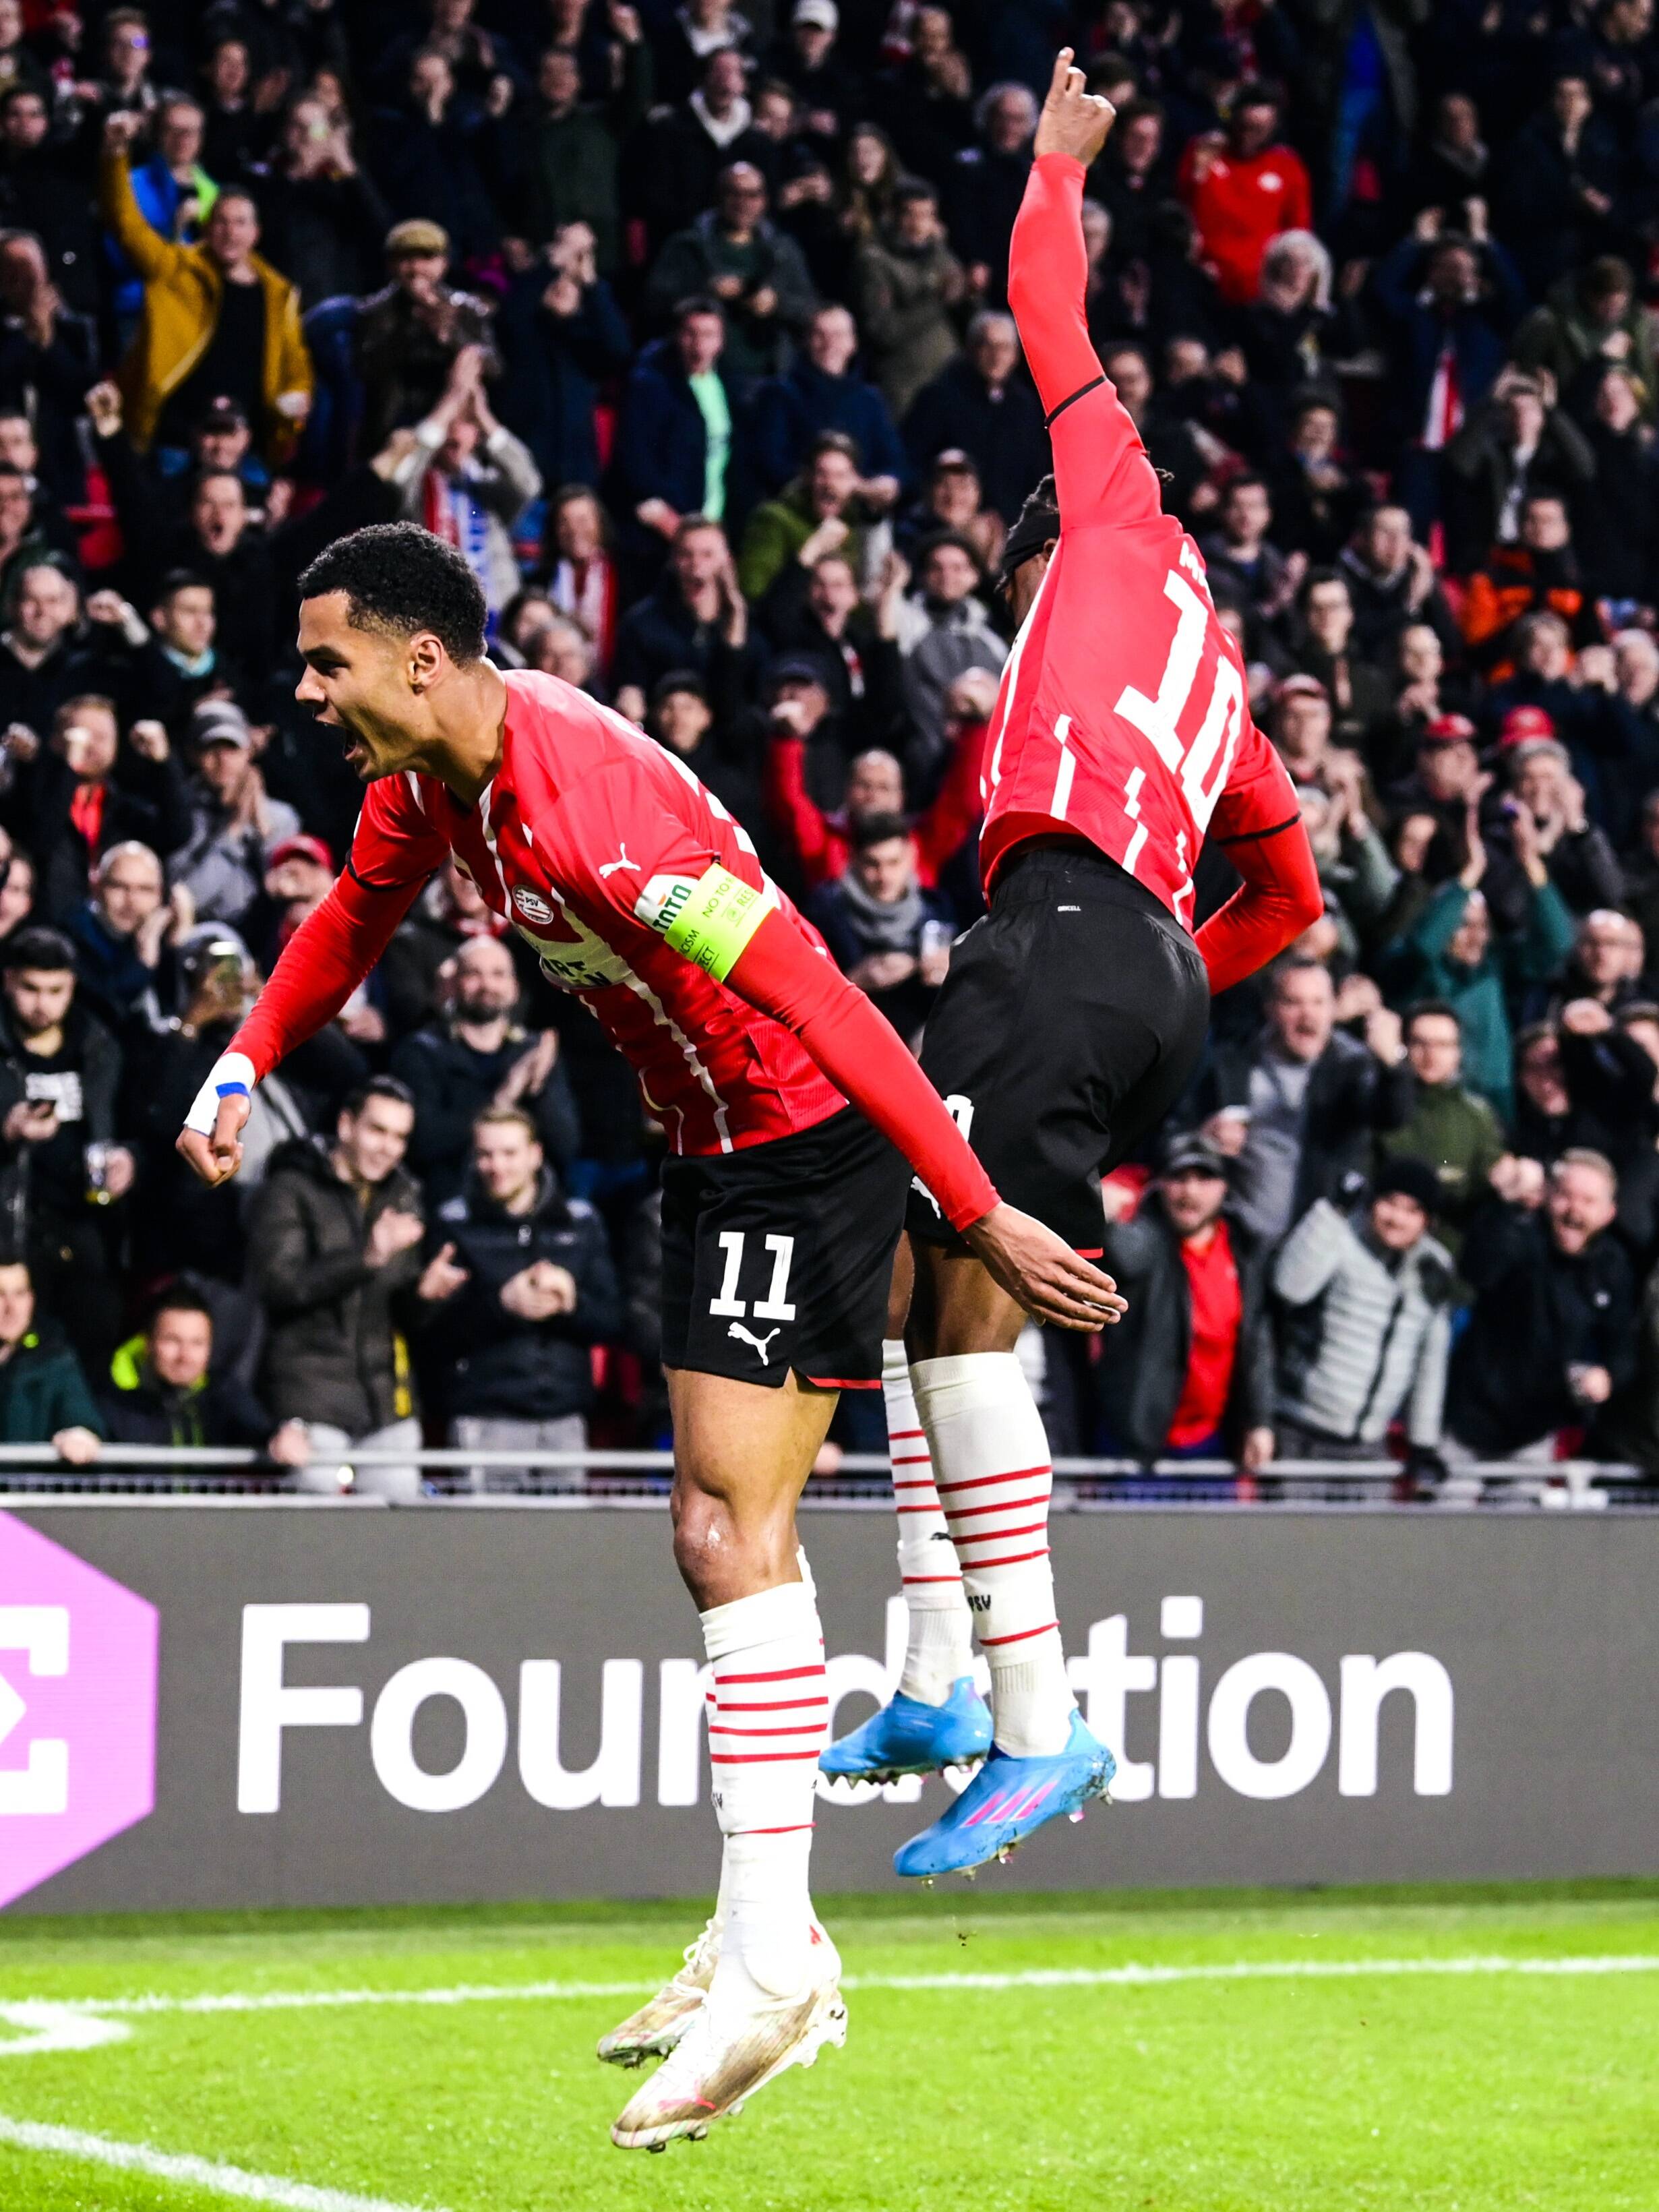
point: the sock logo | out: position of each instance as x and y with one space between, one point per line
759 1343
979 1602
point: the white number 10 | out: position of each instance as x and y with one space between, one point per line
1156 718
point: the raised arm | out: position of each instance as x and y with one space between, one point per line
1101 468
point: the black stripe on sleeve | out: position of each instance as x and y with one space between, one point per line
1253 836
1082 392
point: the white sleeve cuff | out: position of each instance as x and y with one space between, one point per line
232 1076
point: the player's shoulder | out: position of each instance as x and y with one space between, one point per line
559 734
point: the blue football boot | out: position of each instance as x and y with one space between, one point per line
1008 1800
908 1737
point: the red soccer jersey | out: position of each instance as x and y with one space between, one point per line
588 831
1218 1309
1123 715
1240 202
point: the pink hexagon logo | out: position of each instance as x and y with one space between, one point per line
77 1708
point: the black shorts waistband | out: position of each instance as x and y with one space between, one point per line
1041 865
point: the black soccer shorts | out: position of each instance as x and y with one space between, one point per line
779 1255
1071 1020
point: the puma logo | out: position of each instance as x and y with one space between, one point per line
759 1343
611 866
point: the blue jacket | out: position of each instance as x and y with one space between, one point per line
792 410
1480 330
662 448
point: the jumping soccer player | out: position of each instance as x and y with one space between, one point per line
1070 1020
781 1204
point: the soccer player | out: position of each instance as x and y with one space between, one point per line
781 1204
1070 1020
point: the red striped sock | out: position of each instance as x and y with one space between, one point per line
939 1644
993 1478
767 1720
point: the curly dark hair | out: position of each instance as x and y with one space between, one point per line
400 578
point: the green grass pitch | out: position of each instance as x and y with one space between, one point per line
1479 2089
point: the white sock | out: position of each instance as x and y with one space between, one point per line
940 1647
990 1460
766 1730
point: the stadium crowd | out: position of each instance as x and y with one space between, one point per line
687 327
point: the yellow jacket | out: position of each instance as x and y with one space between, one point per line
182 287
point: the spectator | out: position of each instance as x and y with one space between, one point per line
988 182
1590 317
409 333
731 253
121 932
1188 1372
952 498
906 281
572 153
335 1234
1449 954
468 480
87 796
477 1055
43 190
821 842
821 392
1577 855
1548 1341
1556 190
162 1390
533 1291
48 356
1450 1128
321 216
427 148
1515 445
1391 581
217 320
1240 554
885 931
1243 187
564 336
582 581
1299 1106
681 719
1450 302
821 512
981 404
944 631
681 441
235 823
59 1164
44 1398
696 618
683 150
1538 574
1369 1330
40 663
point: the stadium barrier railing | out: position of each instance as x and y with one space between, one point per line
598 1476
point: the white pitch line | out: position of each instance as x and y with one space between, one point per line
197 2172
1131 1975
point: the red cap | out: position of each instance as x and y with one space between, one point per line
1521 724
300 849
1449 730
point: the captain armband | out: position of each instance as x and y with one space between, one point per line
707 919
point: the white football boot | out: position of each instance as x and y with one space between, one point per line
743 2035
662 2020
